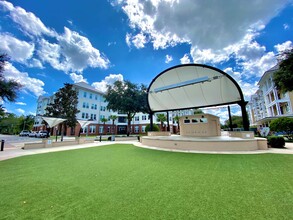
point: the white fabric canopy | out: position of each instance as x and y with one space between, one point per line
84 123
53 121
192 86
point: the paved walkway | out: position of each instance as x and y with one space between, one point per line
12 150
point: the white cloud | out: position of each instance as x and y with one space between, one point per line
79 52
17 50
35 63
185 59
247 88
215 30
77 78
171 22
207 55
20 103
128 39
286 26
109 80
21 111
50 52
69 52
139 40
168 59
257 67
31 85
29 23
284 46
73 52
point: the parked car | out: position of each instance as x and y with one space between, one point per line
42 134
24 133
33 134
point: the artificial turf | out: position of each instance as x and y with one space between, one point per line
126 182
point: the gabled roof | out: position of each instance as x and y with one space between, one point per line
270 71
86 86
192 86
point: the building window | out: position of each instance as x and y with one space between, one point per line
92 129
101 129
103 108
92 106
122 119
186 121
102 116
204 120
86 115
84 130
84 94
136 118
136 129
143 117
194 120
95 107
83 104
96 97
91 95
143 129
272 96
83 115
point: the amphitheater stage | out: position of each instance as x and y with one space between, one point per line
217 143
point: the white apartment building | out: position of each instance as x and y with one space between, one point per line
268 103
93 107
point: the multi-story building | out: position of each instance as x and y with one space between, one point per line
268 103
93 108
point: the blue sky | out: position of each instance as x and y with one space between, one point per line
54 42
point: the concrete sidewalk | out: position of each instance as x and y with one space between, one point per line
13 150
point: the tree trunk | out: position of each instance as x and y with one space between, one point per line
129 118
62 131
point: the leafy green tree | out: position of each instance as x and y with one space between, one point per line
155 128
283 124
8 88
161 118
27 122
127 97
10 124
237 122
176 118
2 111
283 78
64 105
198 111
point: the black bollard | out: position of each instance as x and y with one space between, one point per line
2 145
100 138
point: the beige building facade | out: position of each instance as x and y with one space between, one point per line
268 103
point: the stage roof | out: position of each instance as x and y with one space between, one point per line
192 86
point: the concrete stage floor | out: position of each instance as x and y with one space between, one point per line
217 143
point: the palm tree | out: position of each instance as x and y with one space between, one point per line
161 118
113 118
176 118
104 120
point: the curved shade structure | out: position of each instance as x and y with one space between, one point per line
192 86
53 121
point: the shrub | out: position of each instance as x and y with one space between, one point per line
276 142
155 128
283 124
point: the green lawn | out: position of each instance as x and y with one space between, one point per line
126 182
